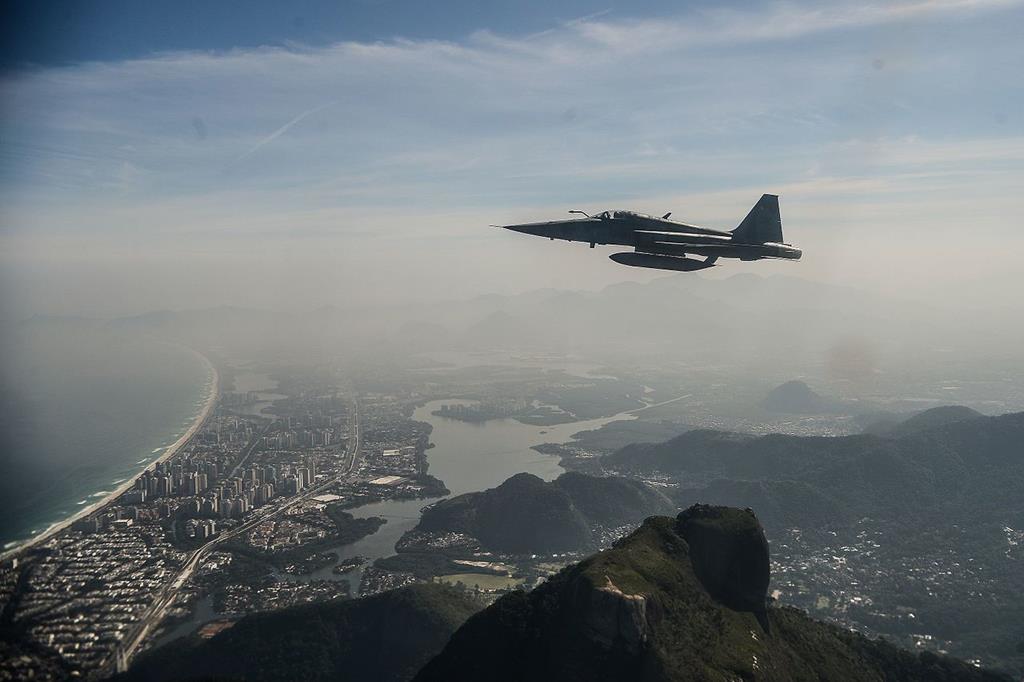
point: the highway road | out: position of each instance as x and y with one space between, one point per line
158 609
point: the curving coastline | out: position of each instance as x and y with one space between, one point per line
169 452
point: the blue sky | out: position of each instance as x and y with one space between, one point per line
51 33
244 155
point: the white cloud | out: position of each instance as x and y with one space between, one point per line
697 113
779 21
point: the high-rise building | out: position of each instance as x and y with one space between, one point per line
209 507
89 524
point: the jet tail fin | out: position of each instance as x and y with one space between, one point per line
762 224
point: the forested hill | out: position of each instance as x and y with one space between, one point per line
385 638
528 515
942 463
679 599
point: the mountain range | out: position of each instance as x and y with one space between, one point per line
912 531
681 598
936 465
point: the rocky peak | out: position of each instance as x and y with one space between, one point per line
677 600
614 618
729 554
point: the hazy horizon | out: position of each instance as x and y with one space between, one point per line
368 168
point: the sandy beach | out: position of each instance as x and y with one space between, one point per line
127 484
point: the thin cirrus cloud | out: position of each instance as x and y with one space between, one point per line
856 110
279 132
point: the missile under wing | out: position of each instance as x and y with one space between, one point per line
669 244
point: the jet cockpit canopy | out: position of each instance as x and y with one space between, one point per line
617 215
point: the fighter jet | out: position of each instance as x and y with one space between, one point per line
666 244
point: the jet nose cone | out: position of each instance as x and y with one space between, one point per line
525 229
537 229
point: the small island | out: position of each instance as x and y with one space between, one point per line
348 565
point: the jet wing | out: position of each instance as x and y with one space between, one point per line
663 225
674 248
681 236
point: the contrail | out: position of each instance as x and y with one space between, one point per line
279 132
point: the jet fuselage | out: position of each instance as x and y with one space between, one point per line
660 242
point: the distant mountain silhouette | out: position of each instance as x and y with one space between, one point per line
500 330
796 397
921 421
778 319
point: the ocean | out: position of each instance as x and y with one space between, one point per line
83 409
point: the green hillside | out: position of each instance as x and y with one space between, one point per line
939 464
679 599
384 638
528 515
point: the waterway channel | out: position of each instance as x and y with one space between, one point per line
467 456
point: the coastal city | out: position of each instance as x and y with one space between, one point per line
245 512
243 484
266 501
